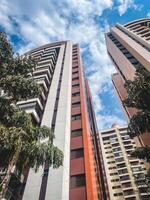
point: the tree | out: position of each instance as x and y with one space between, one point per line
21 142
142 153
139 97
24 146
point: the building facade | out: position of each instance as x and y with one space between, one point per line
129 47
65 106
125 174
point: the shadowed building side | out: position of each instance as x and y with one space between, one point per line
129 48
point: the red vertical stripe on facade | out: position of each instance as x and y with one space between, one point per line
91 186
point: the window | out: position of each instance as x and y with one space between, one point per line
128 55
136 169
126 185
118 154
74 73
111 162
125 51
77 181
75 55
143 190
76 117
77 153
76 94
126 142
75 67
106 143
121 165
116 187
129 147
110 157
74 105
76 78
123 171
76 133
124 178
115 180
107 147
112 168
115 145
74 58
113 174
126 137
75 86
119 159
108 152
75 62
113 136
140 176
105 138
113 140
128 192
74 51
116 149
118 194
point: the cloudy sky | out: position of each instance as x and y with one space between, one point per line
30 23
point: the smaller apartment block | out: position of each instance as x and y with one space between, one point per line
125 174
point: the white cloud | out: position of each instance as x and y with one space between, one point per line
4 16
42 22
106 121
148 14
85 8
124 5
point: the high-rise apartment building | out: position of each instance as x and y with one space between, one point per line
125 174
129 47
65 106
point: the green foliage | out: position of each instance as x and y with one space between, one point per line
139 97
139 90
142 153
32 150
19 88
6 54
15 73
139 123
21 143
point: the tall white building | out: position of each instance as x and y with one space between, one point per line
53 109
65 105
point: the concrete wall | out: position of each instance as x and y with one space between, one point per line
58 179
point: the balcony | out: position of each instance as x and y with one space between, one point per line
124 177
44 72
123 171
45 68
33 107
129 193
121 166
41 79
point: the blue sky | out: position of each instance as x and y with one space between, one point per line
31 23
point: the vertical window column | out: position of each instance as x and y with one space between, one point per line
77 172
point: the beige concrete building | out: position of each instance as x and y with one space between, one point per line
125 174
